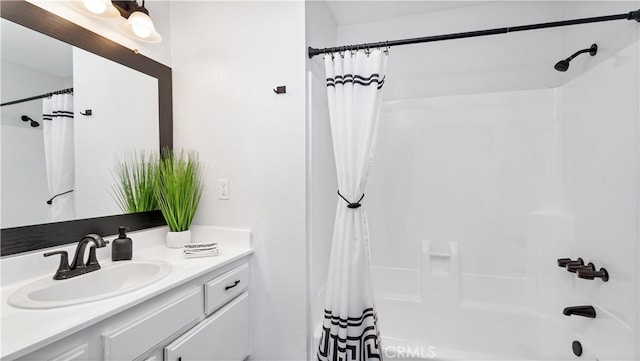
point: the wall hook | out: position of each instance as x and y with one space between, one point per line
87 112
280 89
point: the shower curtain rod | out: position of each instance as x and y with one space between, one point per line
63 91
633 15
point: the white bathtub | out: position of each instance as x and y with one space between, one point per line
437 313
472 333
411 333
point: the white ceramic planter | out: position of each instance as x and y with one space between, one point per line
178 239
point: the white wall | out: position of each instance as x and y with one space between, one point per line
24 179
225 107
321 171
158 11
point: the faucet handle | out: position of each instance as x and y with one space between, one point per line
591 274
64 259
64 263
588 267
566 262
562 262
574 267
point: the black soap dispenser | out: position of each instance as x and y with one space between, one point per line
122 247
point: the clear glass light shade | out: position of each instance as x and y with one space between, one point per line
103 9
139 26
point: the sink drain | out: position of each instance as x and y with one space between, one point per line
576 346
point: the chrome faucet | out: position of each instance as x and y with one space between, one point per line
78 266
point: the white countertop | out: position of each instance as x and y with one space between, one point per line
25 330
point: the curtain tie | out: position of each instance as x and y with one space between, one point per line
353 205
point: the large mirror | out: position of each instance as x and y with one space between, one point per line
32 160
129 97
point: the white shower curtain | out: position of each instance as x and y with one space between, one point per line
354 87
59 155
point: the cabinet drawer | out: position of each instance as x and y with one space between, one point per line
133 339
75 354
221 289
223 336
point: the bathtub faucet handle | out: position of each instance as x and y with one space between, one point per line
570 264
563 262
575 267
590 274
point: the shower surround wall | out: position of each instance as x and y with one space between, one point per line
490 165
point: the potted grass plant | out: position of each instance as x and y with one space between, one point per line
136 178
178 191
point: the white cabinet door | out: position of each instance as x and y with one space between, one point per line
223 336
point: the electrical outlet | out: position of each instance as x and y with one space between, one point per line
223 188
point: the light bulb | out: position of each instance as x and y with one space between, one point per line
141 30
95 6
101 9
140 26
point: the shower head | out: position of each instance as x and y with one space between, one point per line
28 119
563 65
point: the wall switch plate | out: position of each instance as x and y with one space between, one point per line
223 188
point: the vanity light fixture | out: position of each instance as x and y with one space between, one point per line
138 25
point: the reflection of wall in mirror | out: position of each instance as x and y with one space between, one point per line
24 188
124 103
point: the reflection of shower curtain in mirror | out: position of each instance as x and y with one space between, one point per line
58 149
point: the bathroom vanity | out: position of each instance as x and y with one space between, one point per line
198 309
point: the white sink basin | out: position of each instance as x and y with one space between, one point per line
109 281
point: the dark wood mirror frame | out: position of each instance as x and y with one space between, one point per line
29 238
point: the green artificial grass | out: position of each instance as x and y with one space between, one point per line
179 188
136 177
